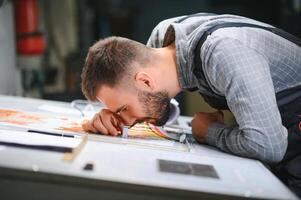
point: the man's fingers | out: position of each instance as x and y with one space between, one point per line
85 125
194 121
202 117
117 123
219 116
107 123
104 122
112 130
98 125
90 127
198 114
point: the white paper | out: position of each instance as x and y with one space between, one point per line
59 110
37 139
67 110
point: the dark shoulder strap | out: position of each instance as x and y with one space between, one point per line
197 60
276 31
182 19
194 15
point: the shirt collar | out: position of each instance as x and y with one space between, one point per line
186 77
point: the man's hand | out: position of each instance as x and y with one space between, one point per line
105 122
202 121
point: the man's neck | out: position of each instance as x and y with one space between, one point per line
168 69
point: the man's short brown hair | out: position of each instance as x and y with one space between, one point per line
108 61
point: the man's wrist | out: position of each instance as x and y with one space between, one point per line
212 133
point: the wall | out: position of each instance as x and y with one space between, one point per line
9 78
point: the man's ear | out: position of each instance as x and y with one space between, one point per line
144 81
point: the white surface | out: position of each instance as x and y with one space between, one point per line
132 161
59 110
36 139
131 164
8 75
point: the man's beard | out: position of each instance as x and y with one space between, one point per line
155 105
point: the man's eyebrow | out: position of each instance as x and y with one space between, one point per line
119 109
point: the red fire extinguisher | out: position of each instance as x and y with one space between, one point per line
29 40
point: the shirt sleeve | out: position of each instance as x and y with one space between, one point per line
242 75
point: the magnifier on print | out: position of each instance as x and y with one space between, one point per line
174 112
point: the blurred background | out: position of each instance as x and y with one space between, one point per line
43 43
